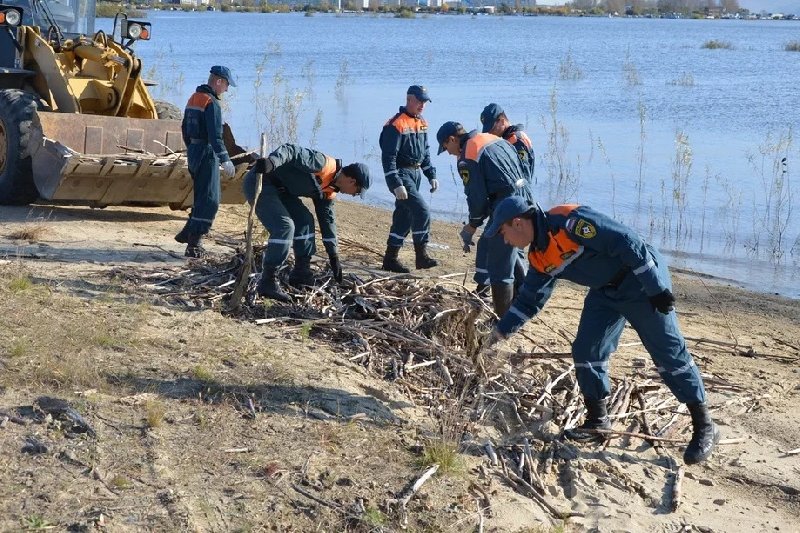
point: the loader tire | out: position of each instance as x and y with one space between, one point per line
168 111
17 112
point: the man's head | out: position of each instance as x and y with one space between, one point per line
513 218
220 79
494 120
353 179
449 137
416 98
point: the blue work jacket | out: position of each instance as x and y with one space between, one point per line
307 173
404 144
522 144
202 122
579 244
490 170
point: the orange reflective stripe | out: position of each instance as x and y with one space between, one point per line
407 124
519 136
476 145
564 209
326 176
560 251
199 101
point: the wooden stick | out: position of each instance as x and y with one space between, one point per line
408 493
677 487
235 303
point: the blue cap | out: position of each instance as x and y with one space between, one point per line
420 92
489 116
446 130
223 72
360 173
507 208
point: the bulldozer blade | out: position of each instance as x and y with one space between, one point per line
102 161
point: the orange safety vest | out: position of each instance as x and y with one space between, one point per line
560 251
326 176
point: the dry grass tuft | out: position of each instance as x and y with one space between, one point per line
444 453
20 283
154 413
30 232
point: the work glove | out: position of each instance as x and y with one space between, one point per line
264 165
401 193
434 185
228 169
663 302
466 234
336 267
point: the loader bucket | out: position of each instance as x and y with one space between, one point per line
101 161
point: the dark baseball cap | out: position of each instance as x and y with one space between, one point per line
359 172
446 130
420 92
223 72
507 208
489 116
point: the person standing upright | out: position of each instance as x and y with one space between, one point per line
490 170
205 151
406 157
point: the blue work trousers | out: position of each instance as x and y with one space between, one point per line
412 214
495 260
605 311
287 219
482 254
204 169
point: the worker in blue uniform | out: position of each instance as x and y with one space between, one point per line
289 173
628 280
205 152
490 171
406 157
495 121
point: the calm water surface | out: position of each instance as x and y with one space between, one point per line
631 116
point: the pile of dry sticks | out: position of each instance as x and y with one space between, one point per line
425 335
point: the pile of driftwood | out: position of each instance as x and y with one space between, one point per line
425 335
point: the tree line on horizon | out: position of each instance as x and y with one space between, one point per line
688 8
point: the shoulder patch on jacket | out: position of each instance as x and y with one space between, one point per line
584 229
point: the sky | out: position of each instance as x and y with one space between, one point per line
772 6
756 6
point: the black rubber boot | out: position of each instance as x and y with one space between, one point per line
482 289
596 418
301 275
704 437
194 248
183 235
269 287
391 263
423 259
502 296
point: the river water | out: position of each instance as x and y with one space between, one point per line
692 146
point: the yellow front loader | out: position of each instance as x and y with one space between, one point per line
77 122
